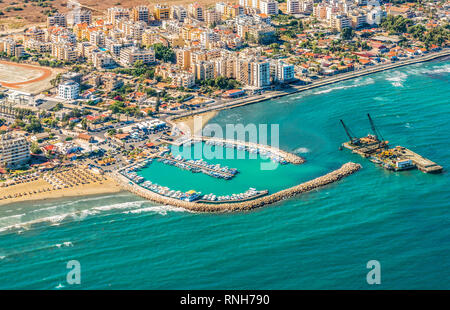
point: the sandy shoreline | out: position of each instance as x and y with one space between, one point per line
41 190
187 123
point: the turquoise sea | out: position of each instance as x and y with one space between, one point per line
319 240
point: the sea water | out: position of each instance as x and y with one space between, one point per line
319 240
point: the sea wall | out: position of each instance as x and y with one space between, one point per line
336 175
289 157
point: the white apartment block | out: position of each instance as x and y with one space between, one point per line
14 150
282 72
293 6
130 55
115 14
183 79
260 74
179 13
81 16
269 7
68 90
57 19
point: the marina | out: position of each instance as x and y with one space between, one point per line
399 158
130 173
199 166
250 203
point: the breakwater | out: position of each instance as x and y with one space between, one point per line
331 177
288 157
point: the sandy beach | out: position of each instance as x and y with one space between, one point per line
187 123
41 189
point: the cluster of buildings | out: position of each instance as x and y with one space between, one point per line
340 14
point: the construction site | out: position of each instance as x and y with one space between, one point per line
374 147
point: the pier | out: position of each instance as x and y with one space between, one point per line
374 147
329 178
213 170
269 150
422 163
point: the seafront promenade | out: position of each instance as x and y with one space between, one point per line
323 82
331 177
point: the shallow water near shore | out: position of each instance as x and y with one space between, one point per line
319 240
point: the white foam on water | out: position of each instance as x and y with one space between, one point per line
162 210
118 206
56 219
2 257
59 286
356 83
64 244
397 78
302 150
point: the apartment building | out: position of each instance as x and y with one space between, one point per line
179 13
269 7
282 72
14 150
81 16
340 22
11 48
57 19
115 14
129 55
161 12
196 11
183 79
69 90
358 19
63 51
183 56
293 6
140 14
203 70
260 74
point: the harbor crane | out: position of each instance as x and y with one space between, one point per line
353 139
375 131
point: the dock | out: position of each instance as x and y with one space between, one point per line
422 163
374 147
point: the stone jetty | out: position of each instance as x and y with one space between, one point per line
289 157
331 177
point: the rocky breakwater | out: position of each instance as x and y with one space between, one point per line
336 175
289 157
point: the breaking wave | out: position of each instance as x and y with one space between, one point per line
162 210
356 83
397 78
23 221
302 150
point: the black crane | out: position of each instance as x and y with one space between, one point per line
352 137
375 131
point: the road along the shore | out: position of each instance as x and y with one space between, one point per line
331 177
326 81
